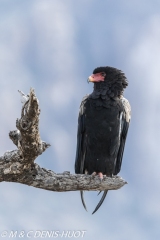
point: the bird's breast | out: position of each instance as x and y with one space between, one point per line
101 126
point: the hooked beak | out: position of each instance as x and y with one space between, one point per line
97 77
90 79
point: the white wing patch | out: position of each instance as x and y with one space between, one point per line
120 127
127 109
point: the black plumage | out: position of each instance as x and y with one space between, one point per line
103 123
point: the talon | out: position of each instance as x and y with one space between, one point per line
100 176
94 174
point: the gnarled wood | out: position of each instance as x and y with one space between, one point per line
18 165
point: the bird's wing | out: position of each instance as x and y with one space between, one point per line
81 143
124 130
101 201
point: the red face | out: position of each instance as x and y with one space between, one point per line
97 77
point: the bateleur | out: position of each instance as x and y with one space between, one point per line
103 124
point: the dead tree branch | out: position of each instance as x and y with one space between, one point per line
19 166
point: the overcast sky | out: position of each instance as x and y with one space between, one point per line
53 46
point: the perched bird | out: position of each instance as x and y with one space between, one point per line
103 124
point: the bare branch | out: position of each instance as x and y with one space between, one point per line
12 169
18 165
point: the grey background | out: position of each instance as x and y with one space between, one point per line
53 46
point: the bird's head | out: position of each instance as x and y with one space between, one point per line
109 77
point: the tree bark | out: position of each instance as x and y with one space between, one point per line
18 165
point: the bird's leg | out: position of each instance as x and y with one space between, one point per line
94 174
100 175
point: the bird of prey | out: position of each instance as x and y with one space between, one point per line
103 124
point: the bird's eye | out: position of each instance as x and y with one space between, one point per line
103 74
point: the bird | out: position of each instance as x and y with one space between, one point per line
103 122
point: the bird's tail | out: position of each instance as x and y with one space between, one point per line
100 202
82 199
